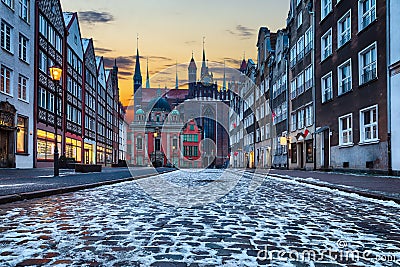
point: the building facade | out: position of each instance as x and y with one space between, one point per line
17 22
279 100
301 84
393 40
74 95
266 52
90 103
50 49
351 89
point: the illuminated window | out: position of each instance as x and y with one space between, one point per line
22 135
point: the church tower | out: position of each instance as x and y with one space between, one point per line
147 75
192 71
204 68
137 77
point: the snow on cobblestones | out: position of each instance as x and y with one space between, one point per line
122 225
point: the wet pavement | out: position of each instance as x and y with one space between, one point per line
173 220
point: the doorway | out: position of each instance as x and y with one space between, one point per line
301 155
325 150
7 159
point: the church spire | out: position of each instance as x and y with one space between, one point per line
204 70
176 78
137 77
224 82
147 75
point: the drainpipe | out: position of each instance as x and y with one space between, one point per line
389 89
312 13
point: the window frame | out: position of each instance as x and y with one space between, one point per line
22 130
363 126
23 88
6 36
326 50
362 68
324 90
341 80
349 130
347 32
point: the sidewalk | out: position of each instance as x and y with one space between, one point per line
378 187
30 183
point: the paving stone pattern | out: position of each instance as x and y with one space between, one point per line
121 225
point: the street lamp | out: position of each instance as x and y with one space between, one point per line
155 134
55 73
285 141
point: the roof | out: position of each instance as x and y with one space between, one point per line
150 93
243 66
140 112
192 64
175 112
67 18
98 60
85 43
159 104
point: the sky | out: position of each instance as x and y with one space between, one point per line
170 30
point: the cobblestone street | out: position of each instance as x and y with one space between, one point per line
123 225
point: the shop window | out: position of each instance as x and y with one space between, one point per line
294 153
22 135
309 152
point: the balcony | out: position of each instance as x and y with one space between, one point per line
367 19
292 63
300 55
308 48
368 75
309 84
327 95
300 90
345 38
345 86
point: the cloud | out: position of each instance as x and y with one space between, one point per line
190 43
125 65
102 50
243 32
230 62
152 58
92 17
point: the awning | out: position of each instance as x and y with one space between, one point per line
322 129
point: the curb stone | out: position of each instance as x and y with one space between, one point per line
50 192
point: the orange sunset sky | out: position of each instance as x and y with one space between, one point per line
169 30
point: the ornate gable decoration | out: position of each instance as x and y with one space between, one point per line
7 114
53 12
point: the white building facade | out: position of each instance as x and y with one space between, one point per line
17 20
394 81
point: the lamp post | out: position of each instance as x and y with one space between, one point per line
55 73
156 133
285 141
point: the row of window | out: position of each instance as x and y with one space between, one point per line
190 138
6 82
367 72
74 61
74 114
190 151
302 82
368 127
279 86
23 8
301 47
48 31
46 100
301 118
74 88
366 12
6 41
